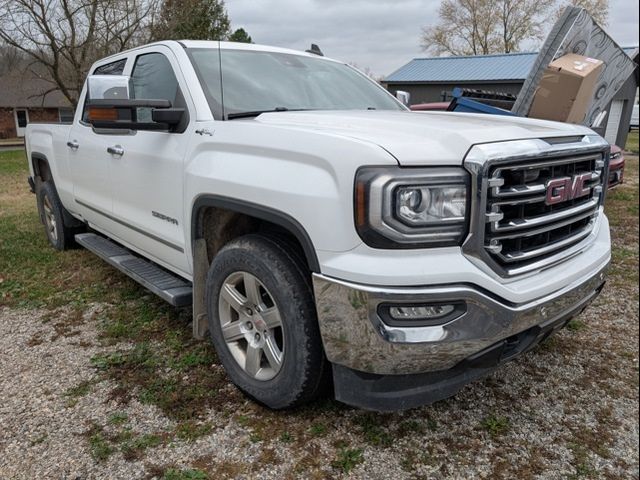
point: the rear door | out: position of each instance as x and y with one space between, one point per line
148 174
89 164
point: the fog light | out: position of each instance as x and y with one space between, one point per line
420 313
425 315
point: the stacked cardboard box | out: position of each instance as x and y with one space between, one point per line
566 89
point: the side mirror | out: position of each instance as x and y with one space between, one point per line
404 97
109 106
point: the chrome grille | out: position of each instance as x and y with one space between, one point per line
521 223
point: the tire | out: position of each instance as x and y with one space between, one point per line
272 351
52 216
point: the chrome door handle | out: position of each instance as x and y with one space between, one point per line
73 145
116 150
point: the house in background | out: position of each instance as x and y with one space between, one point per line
22 101
433 79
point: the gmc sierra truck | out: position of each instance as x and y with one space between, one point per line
324 235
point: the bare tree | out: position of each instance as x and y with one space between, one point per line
466 27
367 71
522 20
598 9
64 37
10 58
480 27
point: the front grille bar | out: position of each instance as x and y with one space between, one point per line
512 226
544 229
529 254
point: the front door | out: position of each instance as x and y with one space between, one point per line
22 119
147 171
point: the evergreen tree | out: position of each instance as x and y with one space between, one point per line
193 20
240 35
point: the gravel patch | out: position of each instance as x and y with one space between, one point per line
567 409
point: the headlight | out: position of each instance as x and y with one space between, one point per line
418 206
411 207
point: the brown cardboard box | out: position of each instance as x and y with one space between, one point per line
566 89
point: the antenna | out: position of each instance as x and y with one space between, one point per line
315 49
221 79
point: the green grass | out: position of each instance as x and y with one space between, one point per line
32 274
575 325
622 209
133 447
318 429
410 427
188 474
495 425
191 431
347 459
13 162
632 142
181 393
99 446
373 430
73 394
581 463
118 418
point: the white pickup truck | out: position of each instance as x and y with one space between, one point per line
323 233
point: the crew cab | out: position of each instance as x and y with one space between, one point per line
322 233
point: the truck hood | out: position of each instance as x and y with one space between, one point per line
421 138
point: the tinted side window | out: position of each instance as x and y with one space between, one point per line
114 68
153 78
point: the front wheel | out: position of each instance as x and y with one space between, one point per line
263 324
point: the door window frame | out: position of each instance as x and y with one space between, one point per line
130 60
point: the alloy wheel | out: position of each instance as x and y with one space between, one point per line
251 325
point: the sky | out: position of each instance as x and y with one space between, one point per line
378 35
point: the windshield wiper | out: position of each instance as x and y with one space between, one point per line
255 113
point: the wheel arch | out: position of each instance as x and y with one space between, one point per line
244 217
259 212
41 167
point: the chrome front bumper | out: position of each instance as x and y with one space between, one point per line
355 336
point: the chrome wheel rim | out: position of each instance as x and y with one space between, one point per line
251 325
50 219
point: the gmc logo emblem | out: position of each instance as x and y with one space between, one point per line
567 188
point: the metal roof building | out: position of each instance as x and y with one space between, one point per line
481 68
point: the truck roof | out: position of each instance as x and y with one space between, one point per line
223 44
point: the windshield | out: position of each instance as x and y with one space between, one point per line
255 81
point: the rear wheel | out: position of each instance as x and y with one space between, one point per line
60 236
263 322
